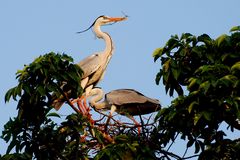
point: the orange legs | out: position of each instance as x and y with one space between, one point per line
83 108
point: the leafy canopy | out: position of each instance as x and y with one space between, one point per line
36 84
209 71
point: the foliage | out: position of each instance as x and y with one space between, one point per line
210 71
225 149
202 72
34 135
29 131
126 147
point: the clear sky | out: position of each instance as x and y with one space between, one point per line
29 29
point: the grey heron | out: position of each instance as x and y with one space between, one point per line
94 66
127 102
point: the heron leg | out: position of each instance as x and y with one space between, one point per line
78 105
84 108
81 105
83 99
87 108
113 109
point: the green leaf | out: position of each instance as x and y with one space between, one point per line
225 56
197 118
6 136
205 86
205 39
203 69
197 147
207 115
192 83
158 77
132 147
211 57
194 93
41 90
53 114
9 94
230 78
67 58
198 51
176 72
186 35
166 65
223 39
235 28
121 138
98 135
191 106
190 143
236 66
11 146
157 53
74 76
178 89
173 42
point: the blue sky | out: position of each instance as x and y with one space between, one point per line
29 29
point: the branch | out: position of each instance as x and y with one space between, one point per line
68 100
166 154
197 155
185 152
172 142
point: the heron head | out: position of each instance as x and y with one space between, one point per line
104 20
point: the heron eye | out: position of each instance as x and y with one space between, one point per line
104 17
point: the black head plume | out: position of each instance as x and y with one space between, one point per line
90 25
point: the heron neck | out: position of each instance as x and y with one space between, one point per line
97 96
106 37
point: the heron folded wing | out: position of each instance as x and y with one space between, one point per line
138 97
125 96
89 65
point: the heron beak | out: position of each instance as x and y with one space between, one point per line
117 19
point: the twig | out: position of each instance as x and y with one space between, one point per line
68 100
167 154
142 124
172 142
197 155
185 152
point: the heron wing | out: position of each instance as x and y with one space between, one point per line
127 96
90 64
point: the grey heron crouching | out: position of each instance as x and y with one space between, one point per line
127 102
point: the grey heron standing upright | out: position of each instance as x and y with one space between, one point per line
94 65
127 102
